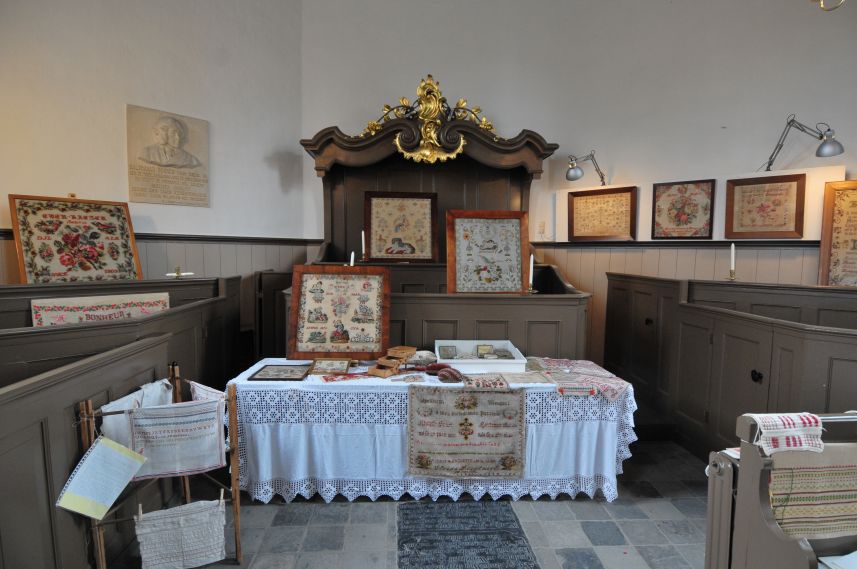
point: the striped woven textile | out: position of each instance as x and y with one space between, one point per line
780 432
815 495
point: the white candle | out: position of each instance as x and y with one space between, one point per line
532 260
352 258
732 257
363 243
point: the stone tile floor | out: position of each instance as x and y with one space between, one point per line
658 522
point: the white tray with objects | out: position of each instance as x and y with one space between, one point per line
443 350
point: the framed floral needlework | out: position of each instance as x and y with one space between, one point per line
838 261
603 215
486 251
769 207
339 311
401 226
683 210
72 240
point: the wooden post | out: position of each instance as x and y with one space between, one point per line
232 409
176 380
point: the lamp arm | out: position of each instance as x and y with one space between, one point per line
797 125
597 169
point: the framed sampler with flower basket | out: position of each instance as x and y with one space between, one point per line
73 240
683 210
838 260
339 312
486 251
769 207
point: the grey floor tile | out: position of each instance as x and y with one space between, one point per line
535 534
251 538
620 557
579 558
364 560
641 532
625 509
586 509
660 510
282 539
546 557
639 489
524 511
693 554
673 489
318 560
366 537
392 534
369 512
273 561
229 562
324 538
603 533
392 560
552 511
257 516
330 514
701 524
662 557
680 532
691 507
565 534
698 488
294 514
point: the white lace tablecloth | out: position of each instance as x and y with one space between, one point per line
349 438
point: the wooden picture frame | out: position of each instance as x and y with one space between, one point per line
838 246
394 222
330 366
73 240
281 372
768 207
339 312
487 251
609 214
683 210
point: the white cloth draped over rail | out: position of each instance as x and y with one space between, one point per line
349 438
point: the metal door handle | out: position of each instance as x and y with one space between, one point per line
648 321
756 376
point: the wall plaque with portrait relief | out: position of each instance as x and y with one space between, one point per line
603 215
838 261
339 311
167 158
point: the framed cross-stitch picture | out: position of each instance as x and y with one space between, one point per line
683 210
401 226
486 251
838 260
769 207
603 215
339 312
73 240
287 372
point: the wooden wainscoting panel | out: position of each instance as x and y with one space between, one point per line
398 333
837 318
791 266
544 338
779 311
438 330
694 369
842 387
491 329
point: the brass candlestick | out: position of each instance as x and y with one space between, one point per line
731 275
531 290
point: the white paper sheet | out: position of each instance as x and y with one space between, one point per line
99 478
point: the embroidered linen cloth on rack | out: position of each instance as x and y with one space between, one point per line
179 439
182 537
815 495
350 438
200 392
117 427
780 432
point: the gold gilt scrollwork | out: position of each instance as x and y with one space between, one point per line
432 111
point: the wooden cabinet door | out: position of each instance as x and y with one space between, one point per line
741 372
645 345
693 383
617 339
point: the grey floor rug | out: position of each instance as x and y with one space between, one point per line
462 535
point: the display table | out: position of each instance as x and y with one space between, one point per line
349 438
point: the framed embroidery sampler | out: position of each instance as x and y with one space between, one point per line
603 215
339 311
401 226
486 251
838 262
683 210
769 207
72 240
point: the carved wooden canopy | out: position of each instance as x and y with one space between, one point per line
429 130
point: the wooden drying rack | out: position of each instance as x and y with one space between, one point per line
88 436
